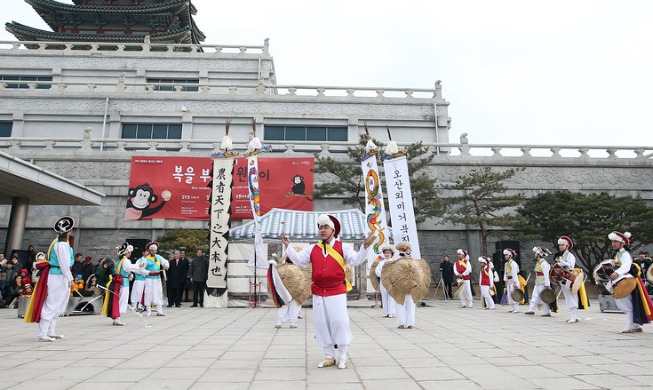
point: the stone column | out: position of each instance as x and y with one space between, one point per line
16 228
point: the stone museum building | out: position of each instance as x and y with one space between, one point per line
113 79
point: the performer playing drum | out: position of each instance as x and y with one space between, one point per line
542 282
568 262
628 289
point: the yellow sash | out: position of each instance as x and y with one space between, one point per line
338 257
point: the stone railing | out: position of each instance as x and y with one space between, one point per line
125 48
123 87
333 149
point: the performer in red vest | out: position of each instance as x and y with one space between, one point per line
486 281
329 259
463 271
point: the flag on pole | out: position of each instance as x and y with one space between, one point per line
400 201
374 207
259 257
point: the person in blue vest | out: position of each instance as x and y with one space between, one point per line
156 264
117 294
138 287
59 281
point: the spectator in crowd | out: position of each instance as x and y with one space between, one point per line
31 256
25 276
78 286
40 258
90 286
15 289
78 267
446 272
3 280
3 261
177 274
188 285
88 268
199 273
12 273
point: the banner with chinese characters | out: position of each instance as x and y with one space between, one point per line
168 187
287 183
175 187
374 209
400 202
219 225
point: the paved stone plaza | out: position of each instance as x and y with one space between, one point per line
239 348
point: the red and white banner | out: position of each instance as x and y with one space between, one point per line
168 188
176 187
287 183
400 200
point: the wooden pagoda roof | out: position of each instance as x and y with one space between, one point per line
171 18
26 33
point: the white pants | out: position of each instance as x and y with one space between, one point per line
626 305
153 295
331 321
124 298
54 305
388 302
406 312
537 300
289 313
571 300
137 292
466 298
485 293
510 288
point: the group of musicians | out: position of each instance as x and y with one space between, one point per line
621 277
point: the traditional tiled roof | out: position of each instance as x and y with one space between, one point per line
173 16
26 33
302 225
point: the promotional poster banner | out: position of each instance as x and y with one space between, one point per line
168 188
374 209
175 187
219 225
400 201
287 183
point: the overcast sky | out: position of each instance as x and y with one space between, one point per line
514 72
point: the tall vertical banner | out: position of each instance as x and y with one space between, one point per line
374 209
400 200
259 258
220 220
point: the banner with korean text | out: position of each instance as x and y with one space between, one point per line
374 208
176 187
400 201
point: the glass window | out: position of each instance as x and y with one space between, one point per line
337 134
144 131
316 134
294 133
174 131
305 133
169 84
25 79
160 131
129 131
5 128
151 130
274 133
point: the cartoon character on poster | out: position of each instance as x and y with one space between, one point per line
141 202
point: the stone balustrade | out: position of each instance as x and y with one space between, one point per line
336 150
123 87
139 47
